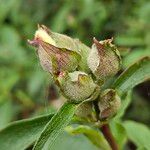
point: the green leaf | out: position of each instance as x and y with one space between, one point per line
138 133
135 74
126 99
55 126
60 16
25 99
142 148
68 142
134 56
20 134
5 7
129 41
94 136
6 112
119 133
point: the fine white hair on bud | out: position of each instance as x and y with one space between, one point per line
76 86
103 59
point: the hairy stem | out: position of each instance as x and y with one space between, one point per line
109 137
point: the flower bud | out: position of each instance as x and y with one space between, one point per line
104 59
84 110
52 58
63 41
109 104
76 86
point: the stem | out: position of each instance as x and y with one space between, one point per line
109 137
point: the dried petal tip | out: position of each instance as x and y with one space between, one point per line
43 34
104 59
97 43
99 46
34 43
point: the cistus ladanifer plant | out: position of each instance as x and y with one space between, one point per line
96 98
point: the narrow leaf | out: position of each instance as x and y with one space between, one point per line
119 133
126 99
20 134
94 136
55 126
138 133
135 74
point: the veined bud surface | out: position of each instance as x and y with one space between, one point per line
56 51
52 58
64 41
109 103
104 59
76 86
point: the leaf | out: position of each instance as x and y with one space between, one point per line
94 136
60 16
134 56
55 126
20 134
5 7
6 112
126 99
129 41
142 148
12 52
69 142
135 74
138 133
36 80
119 133
25 99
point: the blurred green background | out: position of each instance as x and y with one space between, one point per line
25 89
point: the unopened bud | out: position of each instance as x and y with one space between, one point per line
64 41
104 59
76 86
53 59
109 103
84 110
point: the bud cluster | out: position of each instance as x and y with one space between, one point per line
77 68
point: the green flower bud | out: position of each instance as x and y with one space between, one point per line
109 104
63 41
77 86
104 59
84 110
52 58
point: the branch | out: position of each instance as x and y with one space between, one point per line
109 137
